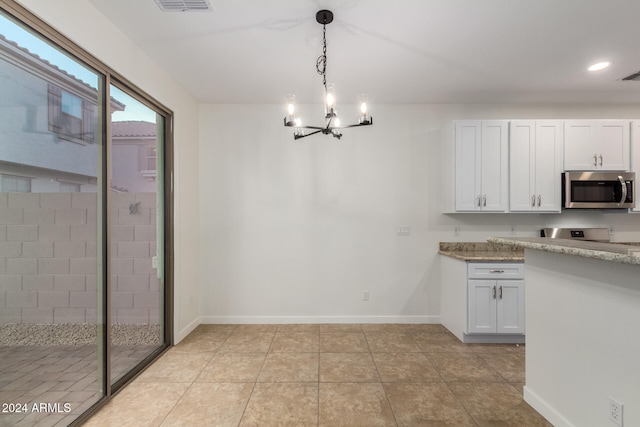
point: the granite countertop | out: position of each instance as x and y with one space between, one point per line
614 252
481 252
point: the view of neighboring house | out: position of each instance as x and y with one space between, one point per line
49 142
134 156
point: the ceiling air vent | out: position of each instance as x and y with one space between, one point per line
184 5
634 76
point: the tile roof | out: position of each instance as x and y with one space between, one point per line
115 104
39 58
133 129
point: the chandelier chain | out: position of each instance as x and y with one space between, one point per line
321 64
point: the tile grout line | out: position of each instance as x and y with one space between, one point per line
255 383
192 382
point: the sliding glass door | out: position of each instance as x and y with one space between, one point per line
137 227
83 292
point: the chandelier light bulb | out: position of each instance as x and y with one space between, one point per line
330 100
298 122
364 115
291 110
336 122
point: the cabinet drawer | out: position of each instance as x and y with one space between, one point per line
495 271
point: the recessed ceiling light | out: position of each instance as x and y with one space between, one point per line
599 66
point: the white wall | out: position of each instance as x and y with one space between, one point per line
582 339
297 231
82 23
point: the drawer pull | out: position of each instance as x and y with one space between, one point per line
500 292
497 271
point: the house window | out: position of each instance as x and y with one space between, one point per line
151 158
70 117
69 187
15 184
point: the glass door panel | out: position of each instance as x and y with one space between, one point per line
51 240
136 224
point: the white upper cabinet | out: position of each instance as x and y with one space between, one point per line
535 151
596 145
481 166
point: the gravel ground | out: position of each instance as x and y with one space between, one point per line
72 334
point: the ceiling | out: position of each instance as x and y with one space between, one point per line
398 52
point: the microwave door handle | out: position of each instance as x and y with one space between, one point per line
624 190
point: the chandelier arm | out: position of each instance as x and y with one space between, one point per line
369 123
295 136
329 120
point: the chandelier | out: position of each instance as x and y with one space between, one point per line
332 125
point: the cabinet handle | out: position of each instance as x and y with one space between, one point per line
500 292
600 159
496 271
595 160
533 201
494 292
539 200
484 200
478 201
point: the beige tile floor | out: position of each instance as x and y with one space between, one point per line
326 375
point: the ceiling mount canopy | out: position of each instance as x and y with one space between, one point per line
332 124
324 17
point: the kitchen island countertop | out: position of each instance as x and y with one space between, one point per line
614 252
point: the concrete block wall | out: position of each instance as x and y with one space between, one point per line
48 264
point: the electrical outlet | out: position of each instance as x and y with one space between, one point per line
456 231
403 230
615 411
513 230
365 296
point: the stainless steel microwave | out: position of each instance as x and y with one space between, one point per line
598 190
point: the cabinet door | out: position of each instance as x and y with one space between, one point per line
596 145
548 166
467 155
494 163
482 306
510 307
611 143
579 152
522 160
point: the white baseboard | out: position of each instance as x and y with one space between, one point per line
182 334
317 319
546 410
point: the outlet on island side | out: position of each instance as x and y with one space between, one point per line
365 296
615 411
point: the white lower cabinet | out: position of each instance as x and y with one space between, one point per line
483 302
496 306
